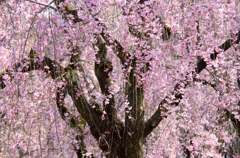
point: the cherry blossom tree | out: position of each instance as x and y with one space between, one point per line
137 78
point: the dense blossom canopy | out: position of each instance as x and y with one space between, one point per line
117 78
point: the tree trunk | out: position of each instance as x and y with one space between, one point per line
127 141
134 149
134 120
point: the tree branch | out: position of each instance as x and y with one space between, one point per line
42 4
93 116
71 121
225 46
119 51
33 63
156 118
102 72
57 71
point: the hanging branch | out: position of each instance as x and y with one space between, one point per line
157 117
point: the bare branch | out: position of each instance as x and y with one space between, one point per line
42 4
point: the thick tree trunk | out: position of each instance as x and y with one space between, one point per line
134 121
127 141
134 149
